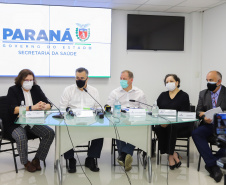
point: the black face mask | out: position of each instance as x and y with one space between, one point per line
211 86
80 83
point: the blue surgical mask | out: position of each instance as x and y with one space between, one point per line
124 84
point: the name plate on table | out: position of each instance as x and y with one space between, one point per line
167 112
35 114
137 112
84 113
189 115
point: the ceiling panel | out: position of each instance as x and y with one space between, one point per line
182 6
153 8
165 2
200 3
183 9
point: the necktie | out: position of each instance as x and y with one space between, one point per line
214 102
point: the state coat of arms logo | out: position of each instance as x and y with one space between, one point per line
82 32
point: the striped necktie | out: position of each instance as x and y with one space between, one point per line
214 101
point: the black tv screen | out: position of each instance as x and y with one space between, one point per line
154 32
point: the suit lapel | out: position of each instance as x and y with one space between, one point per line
221 96
209 100
21 94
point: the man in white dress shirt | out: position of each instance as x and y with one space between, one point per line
125 93
74 96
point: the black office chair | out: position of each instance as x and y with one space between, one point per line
184 136
6 139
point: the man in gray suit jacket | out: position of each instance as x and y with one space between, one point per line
212 97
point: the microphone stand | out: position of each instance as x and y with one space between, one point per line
149 113
140 102
93 98
101 115
59 116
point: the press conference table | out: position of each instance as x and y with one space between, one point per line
136 130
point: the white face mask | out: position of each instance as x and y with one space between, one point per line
171 86
27 85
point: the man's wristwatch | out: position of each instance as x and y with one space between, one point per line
203 116
30 108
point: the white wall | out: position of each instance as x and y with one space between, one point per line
214 42
149 67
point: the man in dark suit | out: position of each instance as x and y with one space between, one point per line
212 97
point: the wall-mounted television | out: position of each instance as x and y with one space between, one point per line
53 41
155 32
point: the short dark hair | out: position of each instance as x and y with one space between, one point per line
219 74
130 74
22 75
81 69
175 77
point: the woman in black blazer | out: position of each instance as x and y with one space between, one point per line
28 91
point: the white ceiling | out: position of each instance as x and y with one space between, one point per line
178 6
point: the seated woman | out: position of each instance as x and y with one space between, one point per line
28 91
175 99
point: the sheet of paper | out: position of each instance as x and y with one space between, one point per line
210 113
85 113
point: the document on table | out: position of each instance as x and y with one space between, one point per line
84 113
210 113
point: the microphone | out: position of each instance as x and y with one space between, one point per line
107 108
140 102
60 116
69 111
100 114
149 113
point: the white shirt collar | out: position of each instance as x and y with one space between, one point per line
133 89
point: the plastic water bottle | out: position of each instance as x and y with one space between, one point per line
117 109
155 110
22 109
